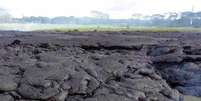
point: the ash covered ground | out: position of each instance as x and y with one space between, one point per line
99 66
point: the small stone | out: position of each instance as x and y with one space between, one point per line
15 95
27 91
66 86
190 66
62 96
45 45
6 97
16 42
146 71
31 92
167 59
7 83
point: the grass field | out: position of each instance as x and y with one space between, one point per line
66 28
191 98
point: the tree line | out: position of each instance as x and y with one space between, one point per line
172 19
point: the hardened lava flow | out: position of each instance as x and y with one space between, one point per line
99 66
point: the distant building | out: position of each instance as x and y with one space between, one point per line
4 16
137 16
172 15
158 16
99 15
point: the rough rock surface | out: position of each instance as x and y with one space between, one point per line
99 66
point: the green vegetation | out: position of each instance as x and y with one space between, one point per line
191 98
85 28
135 29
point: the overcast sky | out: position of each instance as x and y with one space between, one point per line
116 8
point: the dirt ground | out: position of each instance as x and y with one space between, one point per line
99 66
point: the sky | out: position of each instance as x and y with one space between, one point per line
115 8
